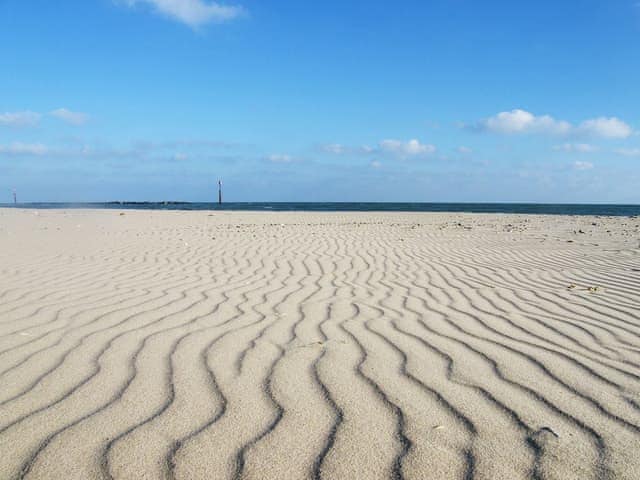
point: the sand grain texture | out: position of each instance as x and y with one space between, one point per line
239 345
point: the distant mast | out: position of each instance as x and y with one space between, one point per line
15 197
219 192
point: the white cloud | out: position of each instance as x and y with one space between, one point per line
180 157
604 127
464 150
280 158
522 122
628 152
406 149
194 13
20 119
24 149
579 165
575 148
376 164
72 118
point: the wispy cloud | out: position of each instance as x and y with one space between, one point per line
334 148
464 150
580 165
522 122
182 144
411 148
17 149
339 149
32 119
390 147
194 13
628 152
280 158
72 118
575 148
182 150
20 119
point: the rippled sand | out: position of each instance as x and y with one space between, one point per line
198 345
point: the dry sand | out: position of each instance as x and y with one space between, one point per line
318 345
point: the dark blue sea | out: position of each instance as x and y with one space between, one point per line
537 208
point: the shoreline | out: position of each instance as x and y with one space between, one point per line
603 209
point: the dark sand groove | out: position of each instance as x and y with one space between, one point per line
95 360
400 435
468 312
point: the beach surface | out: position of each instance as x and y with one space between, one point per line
245 345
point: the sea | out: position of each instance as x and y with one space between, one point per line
524 208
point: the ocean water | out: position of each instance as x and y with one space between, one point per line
535 208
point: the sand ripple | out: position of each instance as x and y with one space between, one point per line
174 345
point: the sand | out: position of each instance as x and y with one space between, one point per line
202 345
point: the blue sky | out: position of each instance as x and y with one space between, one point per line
447 100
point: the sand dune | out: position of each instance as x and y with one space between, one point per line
198 345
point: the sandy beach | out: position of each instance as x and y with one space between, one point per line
229 345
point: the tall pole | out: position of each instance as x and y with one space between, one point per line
15 197
219 192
